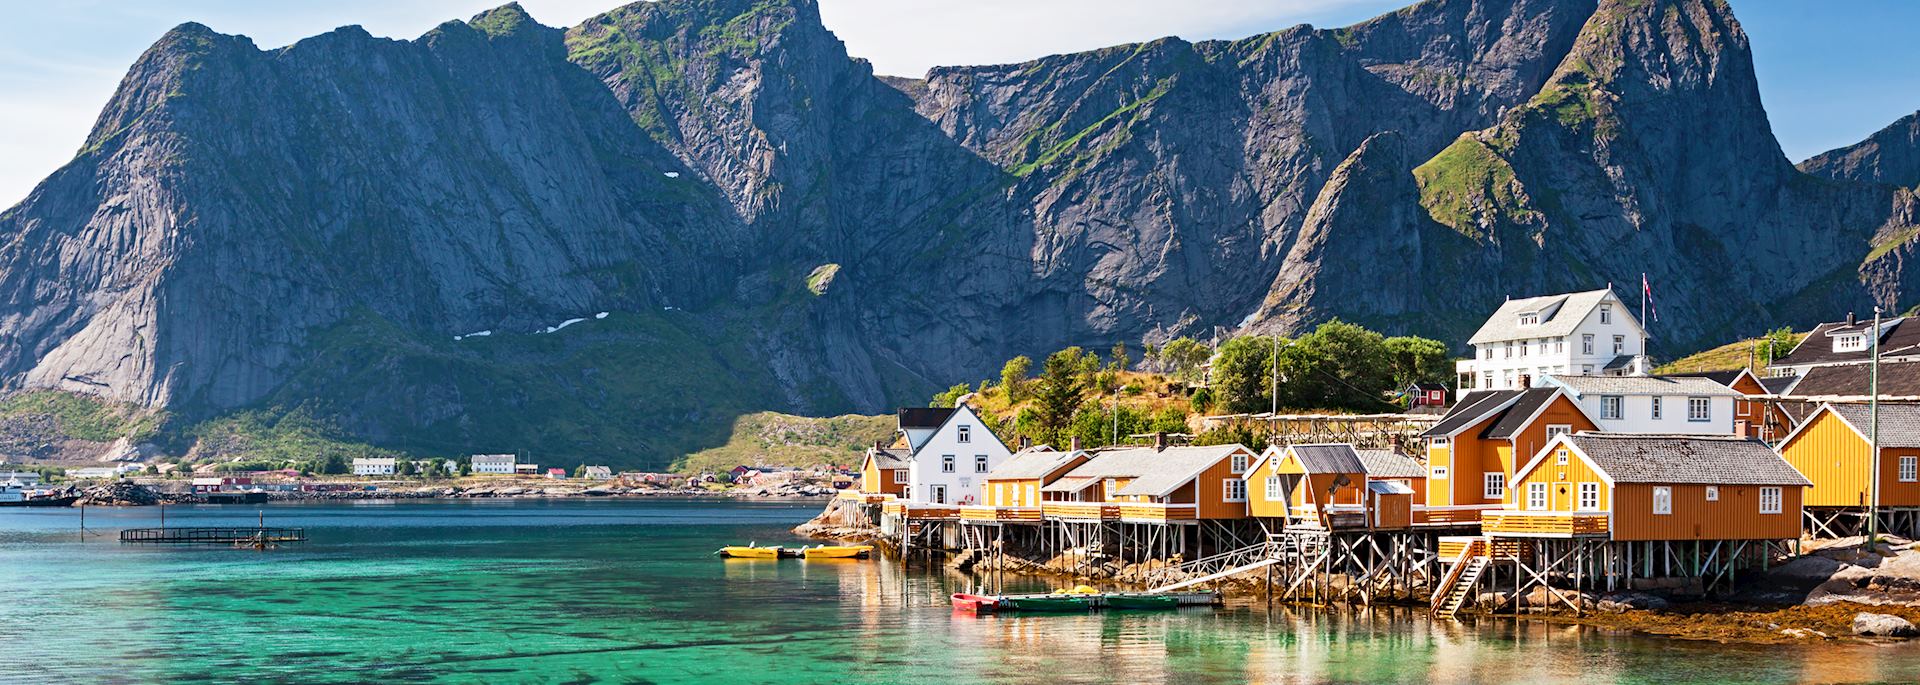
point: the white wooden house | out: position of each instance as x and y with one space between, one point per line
950 461
1579 334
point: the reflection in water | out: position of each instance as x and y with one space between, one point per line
630 592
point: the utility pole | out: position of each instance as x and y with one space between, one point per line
1274 389
1873 435
1116 415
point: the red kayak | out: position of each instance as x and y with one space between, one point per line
978 604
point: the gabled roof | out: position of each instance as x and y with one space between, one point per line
1477 407
1692 459
1328 458
1525 407
1899 423
1726 377
1897 379
1896 338
1779 385
890 458
1582 386
925 417
1391 464
1154 472
1033 463
1559 315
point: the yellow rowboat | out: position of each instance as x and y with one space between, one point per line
837 552
752 552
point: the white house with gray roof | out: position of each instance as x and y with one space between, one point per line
1669 405
1579 334
950 461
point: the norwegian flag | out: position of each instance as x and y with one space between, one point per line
1646 297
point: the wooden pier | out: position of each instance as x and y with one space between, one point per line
214 536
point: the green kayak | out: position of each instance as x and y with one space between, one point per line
1046 604
1142 602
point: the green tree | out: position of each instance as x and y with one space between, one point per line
1242 374
950 396
466 467
1201 401
1414 359
1063 381
1777 343
1013 378
1118 359
1231 435
333 465
1337 366
1150 357
1183 358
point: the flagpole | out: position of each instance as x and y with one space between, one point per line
1873 435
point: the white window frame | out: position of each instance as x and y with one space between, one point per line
1493 485
940 488
1233 490
1586 343
1771 500
1699 409
1662 500
1606 313
1560 456
902 477
1586 369
1536 497
1851 342
1439 473
980 464
965 433
1589 497
1439 443
1909 468
1273 489
1239 464
1619 344
1554 429
948 463
1610 406
1713 493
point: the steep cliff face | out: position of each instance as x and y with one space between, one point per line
1890 156
768 225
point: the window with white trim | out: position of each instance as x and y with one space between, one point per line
1508 346
1713 493
966 433
946 463
1239 463
1586 369
1606 313
1235 489
1586 343
1536 497
1699 409
1273 488
1439 473
1560 456
1657 407
1495 486
979 463
1557 429
1530 319
1590 497
1851 342
1619 344
1610 407
900 476
1770 500
1909 469
1662 499
1439 443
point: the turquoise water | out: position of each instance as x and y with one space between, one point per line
628 592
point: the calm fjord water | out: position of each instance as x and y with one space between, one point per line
629 592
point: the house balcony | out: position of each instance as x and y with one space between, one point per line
1081 511
863 497
1331 517
1457 516
1544 524
921 511
1148 512
985 514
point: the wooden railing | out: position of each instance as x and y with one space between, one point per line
985 513
1458 515
921 510
863 497
1150 512
1544 523
1092 511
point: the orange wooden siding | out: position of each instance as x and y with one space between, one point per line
1533 438
879 481
1734 516
1213 491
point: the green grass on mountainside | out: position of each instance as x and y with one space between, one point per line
775 439
1469 187
1732 355
83 417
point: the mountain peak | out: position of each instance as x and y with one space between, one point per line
1890 155
504 20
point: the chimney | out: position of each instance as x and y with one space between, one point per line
879 445
1073 445
1159 440
1025 442
1850 321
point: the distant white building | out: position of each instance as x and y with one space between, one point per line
96 472
492 463
951 458
1669 405
25 478
595 473
373 466
1574 334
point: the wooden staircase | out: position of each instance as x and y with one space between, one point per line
1461 581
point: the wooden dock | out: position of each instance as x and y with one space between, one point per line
214 536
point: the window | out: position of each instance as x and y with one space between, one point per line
1439 473
1557 429
1662 499
1033 494
946 463
1239 463
900 476
1530 319
1586 344
1610 407
1559 345
1656 409
1524 347
937 494
1586 369
1590 497
1273 489
1852 342
1713 493
1909 466
1536 496
1486 352
1769 500
966 434
1495 486
1560 456
1699 409
979 463
1508 346
1486 380
1438 444
1606 313
1112 486
1235 489
1619 344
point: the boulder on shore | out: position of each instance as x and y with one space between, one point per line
1883 625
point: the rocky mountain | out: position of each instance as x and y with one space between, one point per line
1890 156
608 241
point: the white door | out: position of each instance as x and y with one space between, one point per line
937 493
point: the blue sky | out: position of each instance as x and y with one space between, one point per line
1830 72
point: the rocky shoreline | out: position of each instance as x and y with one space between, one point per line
129 494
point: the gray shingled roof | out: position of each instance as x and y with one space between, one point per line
1476 408
1897 339
1031 463
891 458
1515 417
1645 385
1505 322
1154 472
1778 384
1701 459
1899 423
1897 379
1332 458
1391 464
